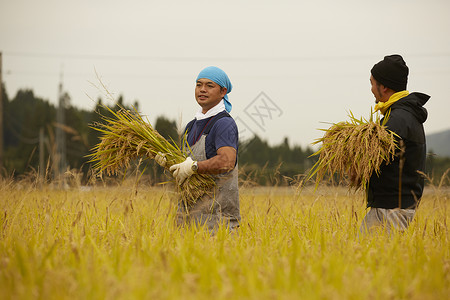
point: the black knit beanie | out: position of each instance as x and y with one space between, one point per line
392 72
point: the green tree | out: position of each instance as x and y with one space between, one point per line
25 115
168 129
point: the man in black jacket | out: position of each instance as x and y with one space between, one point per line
394 194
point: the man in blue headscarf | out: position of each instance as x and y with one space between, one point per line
213 145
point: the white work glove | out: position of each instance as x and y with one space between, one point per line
182 170
160 159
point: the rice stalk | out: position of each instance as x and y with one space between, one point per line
354 149
126 137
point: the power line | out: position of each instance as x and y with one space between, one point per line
203 58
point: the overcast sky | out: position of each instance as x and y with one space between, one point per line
293 64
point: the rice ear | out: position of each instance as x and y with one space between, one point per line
126 136
358 145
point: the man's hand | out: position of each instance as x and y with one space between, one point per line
160 159
182 171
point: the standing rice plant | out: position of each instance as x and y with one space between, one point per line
95 245
354 149
126 136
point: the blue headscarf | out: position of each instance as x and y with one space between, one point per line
220 77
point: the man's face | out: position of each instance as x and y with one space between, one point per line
376 90
208 93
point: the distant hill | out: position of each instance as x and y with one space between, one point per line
439 143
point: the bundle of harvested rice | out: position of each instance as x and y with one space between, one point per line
354 149
126 136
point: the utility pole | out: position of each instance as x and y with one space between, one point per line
60 133
1 117
41 155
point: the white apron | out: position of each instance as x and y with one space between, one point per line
223 203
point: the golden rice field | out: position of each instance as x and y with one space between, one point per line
121 243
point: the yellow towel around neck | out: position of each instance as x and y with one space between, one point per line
383 106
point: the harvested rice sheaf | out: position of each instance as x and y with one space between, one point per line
126 137
354 149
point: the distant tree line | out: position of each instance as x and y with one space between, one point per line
26 115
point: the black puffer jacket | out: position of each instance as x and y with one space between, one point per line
406 119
